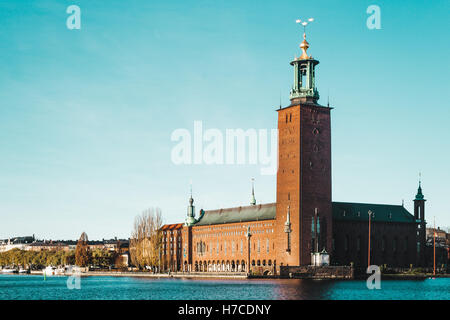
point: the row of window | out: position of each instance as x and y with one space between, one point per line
202 248
237 262
233 233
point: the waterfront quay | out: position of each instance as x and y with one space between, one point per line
311 273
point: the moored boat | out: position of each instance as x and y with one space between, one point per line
49 271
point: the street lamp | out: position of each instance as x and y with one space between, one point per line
248 235
368 253
434 246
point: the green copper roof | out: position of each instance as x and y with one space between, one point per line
381 212
419 195
238 214
348 211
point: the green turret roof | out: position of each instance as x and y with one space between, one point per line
419 195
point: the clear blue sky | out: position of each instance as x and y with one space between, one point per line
86 115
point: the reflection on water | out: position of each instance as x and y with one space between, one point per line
34 287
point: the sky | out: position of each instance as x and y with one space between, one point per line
86 116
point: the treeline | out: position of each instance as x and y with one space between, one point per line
38 259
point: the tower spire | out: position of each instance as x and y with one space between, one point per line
419 195
304 45
253 200
190 218
304 88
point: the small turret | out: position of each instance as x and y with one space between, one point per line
419 215
419 195
304 87
190 219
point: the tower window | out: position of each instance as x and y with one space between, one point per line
290 117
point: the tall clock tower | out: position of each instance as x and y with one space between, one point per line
304 215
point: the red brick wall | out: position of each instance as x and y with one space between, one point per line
223 243
303 179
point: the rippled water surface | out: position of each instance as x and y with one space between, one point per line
97 287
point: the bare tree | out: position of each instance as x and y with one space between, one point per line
146 237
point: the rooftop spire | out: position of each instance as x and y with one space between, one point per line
304 88
304 45
190 218
191 200
253 201
419 195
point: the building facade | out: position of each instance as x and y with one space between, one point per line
304 220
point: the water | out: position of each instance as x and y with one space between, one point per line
125 288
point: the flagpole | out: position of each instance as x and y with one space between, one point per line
368 253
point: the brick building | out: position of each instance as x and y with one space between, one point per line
304 220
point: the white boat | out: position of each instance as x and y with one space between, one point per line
49 271
9 270
22 270
60 271
53 271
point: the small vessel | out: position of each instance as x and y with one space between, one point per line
53 271
60 271
23 270
49 271
9 270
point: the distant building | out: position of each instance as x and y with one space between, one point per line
171 255
441 235
16 243
31 244
49 246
